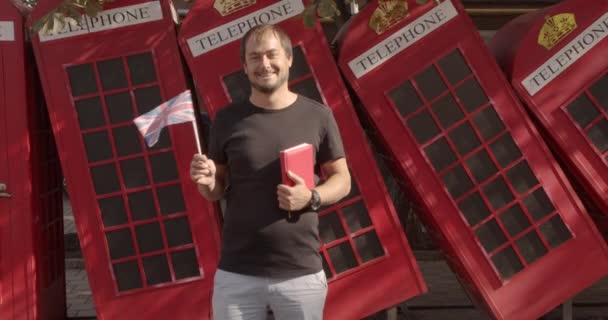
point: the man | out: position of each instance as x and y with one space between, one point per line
270 258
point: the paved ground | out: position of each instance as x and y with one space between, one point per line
446 299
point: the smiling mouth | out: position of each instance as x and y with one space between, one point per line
266 75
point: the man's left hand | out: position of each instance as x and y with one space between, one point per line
296 197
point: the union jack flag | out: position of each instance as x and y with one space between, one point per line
177 110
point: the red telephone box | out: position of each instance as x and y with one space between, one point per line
363 245
556 60
491 192
32 277
149 241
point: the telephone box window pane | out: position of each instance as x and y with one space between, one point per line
50 152
238 86
113 211
514 219
120 243
440 154
490 235
82 79
521 177
326 268
464 138
471 95
599 135
488 123
356 216
147 99
505 150
127 140
148 237
112 74
498 193
178 232
90 113
120 108
405 99
447 111
299 67
156 269
368 246
457 182
538 204
600 91
555 232
342 257
583 111
423 127
330 227
507 263
163 167
141 68
454 67
127 275
105 179
170 199
97 145
164 141
142 205
481 166
185 264
134 172
430 83
308 88
474 209
531 247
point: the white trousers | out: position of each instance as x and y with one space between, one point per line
242 297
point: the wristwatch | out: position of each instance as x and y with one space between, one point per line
315 200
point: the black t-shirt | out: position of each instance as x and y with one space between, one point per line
257 238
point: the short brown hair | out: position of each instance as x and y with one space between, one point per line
262 29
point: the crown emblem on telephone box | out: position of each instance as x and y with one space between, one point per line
388 13
226 7
555 29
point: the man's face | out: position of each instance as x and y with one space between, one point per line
266 63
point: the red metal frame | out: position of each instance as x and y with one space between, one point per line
517 50
32 278
395 275
148 298
529 292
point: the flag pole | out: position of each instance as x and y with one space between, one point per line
198 140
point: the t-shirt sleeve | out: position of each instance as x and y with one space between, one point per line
215 149
331 147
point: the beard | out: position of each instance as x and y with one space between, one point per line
268 88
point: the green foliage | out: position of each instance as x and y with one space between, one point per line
70 11
324 10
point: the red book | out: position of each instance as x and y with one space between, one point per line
299 160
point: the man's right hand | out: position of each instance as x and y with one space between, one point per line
202 170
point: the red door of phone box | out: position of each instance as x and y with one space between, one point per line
366 256
149 241
556 61
32 277
492 193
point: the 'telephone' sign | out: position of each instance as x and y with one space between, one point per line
564 58
109 19
403 38
236 29
7 31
